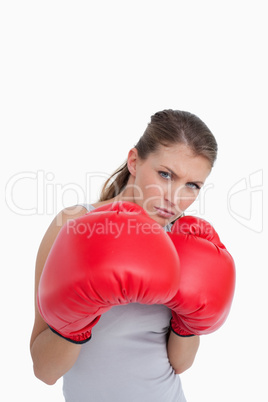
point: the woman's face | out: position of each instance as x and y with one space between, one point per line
168 181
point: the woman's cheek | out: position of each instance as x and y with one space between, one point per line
186 199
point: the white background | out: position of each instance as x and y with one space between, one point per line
79 82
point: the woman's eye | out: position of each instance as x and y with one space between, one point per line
194 186
165 175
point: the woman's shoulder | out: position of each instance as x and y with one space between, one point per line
71 212
55 226
58 222
101 203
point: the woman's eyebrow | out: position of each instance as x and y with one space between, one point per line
175 175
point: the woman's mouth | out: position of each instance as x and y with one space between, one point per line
165 213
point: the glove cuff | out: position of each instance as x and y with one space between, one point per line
178 330
77 339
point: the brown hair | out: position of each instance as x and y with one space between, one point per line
166 128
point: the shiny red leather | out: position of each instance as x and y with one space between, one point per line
116 254
207 283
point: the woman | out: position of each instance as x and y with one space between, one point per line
133 355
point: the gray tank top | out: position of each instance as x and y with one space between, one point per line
126 359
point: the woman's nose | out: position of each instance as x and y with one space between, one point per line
173 195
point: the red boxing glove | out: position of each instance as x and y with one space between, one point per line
207 280
116 254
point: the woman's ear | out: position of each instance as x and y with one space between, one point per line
132 161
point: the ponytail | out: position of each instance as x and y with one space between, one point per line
112 189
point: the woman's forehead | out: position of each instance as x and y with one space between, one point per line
181 160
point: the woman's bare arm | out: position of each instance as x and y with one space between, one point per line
182 351
52 355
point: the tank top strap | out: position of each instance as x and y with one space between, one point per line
89 207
